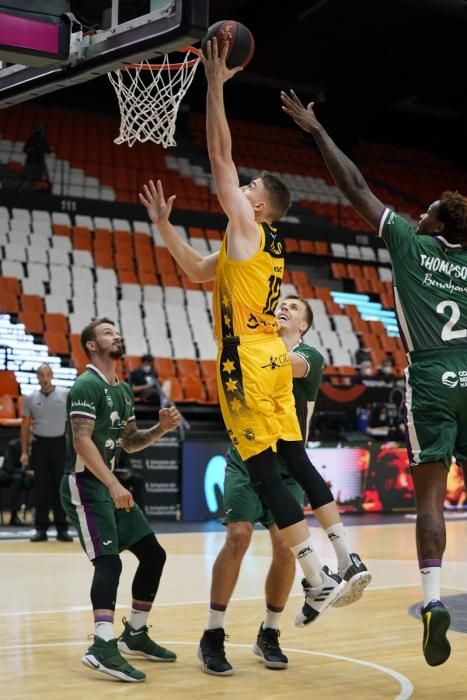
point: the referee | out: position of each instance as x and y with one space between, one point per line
44 413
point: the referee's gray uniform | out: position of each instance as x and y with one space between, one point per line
48 454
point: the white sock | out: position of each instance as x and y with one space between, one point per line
431 583
104 630
271 619
215 619
338 539
309 562
138 618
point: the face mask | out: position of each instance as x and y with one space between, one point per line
367 371
387 370
147 368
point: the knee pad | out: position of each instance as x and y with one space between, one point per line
269 485
151 554
107 570
298 464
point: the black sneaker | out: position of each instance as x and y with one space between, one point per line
40 536
63 536
267 646
356 578
211 653
436 621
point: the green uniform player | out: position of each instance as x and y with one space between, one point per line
241 502
102 528
430 289
100 423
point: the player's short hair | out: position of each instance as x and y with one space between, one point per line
89 332
280 198
308 310
452 212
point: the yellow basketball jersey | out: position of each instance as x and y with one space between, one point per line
246 292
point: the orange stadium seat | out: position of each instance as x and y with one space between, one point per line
61 230
8 383
211 390
32 320
193 388
32 302
9 303
56 322
188 368
57 342
307 247
103 258
176 391
127 277
147 278
10 285
7 407
208 369
165 367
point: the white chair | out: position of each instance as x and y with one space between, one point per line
353 252
131 292
338 250
38 271
317 306
60 217
61 243
103 222
83 258
367 253
40 215
37 253
12 268
341 357
33 285
121 225
57 256
15 252
56 304
383 255
174 296
152 294
342 323
385 274
84 220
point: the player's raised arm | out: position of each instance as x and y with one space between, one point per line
199 268
220 142
345 173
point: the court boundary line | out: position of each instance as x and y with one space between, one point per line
405 684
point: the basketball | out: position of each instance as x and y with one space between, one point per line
241 42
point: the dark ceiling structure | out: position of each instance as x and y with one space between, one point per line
387 69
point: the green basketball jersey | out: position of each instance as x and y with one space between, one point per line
305 391
430 285
109 405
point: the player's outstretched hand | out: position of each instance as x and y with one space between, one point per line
214 63
154 200
121 497
169 419
303 116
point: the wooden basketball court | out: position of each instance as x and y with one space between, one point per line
370 650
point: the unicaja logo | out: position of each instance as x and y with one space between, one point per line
450 379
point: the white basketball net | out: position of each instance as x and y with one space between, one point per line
149 98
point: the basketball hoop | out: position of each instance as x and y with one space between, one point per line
149 96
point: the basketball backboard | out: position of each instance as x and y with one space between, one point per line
165 26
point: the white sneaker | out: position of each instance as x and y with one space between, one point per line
319 598
356 579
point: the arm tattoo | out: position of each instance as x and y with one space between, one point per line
135 440
82 427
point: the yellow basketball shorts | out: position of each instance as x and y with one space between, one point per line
255 393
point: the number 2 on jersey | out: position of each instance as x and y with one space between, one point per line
448 333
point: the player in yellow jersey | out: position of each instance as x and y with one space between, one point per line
254 368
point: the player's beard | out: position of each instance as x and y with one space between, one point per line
116 353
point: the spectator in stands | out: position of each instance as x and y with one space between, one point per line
17 478
385 371
429 263
44 413
130 479
365 371
35 168
146 384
